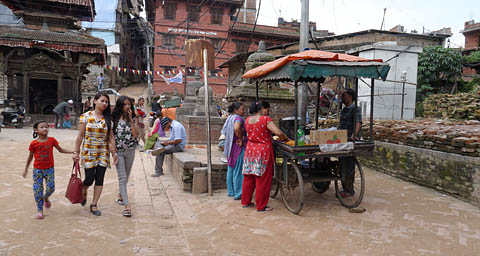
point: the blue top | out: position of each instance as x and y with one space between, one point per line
177 132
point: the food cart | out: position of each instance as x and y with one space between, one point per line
307 164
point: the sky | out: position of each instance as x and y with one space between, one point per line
346 16
105 17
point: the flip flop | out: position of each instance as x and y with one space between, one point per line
47 204
95 212
119 201
127 213
39 216
266 209
248 205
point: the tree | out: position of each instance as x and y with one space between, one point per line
438 70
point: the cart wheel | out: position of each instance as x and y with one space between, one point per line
321 187
358 187
275 184
293 192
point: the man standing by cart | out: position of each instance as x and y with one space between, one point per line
351 121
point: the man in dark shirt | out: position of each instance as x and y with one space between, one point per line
353 125
60 111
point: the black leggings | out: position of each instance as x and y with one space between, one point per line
96 174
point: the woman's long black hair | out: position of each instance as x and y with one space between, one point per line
118 111
107 113
257 106
234 106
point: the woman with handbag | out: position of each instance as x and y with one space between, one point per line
125 130
95 142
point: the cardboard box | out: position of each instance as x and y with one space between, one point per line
328 137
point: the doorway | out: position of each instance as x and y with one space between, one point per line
42 96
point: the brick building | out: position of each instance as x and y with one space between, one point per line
471 32
218 21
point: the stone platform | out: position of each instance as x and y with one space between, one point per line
182 165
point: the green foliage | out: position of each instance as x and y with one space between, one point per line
473 57
438 68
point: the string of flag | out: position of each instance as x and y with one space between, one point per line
158 73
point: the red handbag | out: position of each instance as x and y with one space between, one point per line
74 191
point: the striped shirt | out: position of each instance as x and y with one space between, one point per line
95 146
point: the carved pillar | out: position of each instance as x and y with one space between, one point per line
26 93
60 88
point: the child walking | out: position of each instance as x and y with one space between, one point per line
41 148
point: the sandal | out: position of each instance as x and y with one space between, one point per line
266 209
119 201
248 205
39 216
47 203
95 212
127 213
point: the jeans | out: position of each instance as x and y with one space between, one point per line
58 120
124 167
348 173
169 149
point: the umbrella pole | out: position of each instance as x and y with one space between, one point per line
316 105
207 114
256 91
296 113
371 109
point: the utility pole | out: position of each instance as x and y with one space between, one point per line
302 87
404 79
149 77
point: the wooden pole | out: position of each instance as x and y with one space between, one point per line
207 114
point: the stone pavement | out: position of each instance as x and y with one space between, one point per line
401 218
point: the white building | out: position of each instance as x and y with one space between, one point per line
388 94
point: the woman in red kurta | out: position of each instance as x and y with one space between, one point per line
259 159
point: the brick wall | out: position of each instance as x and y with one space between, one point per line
449 173
196 130
472 40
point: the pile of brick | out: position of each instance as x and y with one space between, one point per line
459 137
459 106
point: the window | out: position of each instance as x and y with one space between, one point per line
216 15
241 46
168 41
193 13
217 44
169 11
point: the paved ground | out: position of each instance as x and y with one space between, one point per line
401 218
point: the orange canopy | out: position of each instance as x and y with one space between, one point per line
306 55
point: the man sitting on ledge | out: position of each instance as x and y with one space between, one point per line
176 143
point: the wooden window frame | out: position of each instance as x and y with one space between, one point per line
166 7
190 14
216 15
168 38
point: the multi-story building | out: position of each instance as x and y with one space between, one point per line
228 24
471 32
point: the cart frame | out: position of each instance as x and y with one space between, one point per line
322 167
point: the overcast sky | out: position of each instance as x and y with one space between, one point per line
345 16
